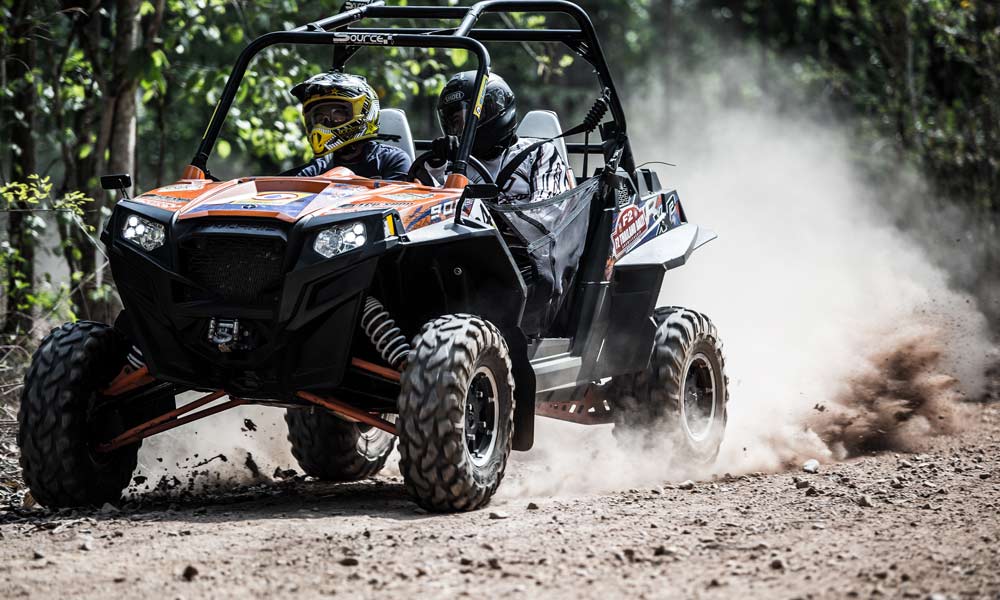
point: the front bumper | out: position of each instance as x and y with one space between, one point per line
299 331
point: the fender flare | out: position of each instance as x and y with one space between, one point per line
635 289
668 250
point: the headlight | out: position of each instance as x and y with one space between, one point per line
144 233
342 238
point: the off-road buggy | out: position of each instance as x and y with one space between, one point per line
372 310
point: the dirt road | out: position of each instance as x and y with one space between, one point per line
893 525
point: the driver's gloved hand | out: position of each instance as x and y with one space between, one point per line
444 149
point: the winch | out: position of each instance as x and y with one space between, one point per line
227 336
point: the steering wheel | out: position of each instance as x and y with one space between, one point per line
418 170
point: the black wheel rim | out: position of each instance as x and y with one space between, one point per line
699 397
482 413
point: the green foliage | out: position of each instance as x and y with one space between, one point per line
34 196
30 193
920 78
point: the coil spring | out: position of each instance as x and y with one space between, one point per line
381 329
135 358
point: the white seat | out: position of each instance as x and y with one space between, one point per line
392 122
543 124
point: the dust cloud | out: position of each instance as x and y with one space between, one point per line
900 400
815 291
236 448
841 335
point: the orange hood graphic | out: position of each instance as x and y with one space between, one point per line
290 199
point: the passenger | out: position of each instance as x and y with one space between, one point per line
534 232
541 175
341 113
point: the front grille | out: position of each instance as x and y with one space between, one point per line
241 270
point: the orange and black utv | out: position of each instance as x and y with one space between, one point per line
373 310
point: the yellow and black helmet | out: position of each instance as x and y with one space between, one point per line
339 109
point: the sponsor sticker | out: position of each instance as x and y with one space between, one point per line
273 198
629 228
673 212
342 190
408 197
365 39
181 187
475 210
162 201
352 4
478 110
370 205
443 211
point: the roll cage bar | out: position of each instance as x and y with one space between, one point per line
346 40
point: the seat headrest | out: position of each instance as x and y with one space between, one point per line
543 124
392 122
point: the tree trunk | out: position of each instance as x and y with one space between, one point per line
121 146
116 139
89 32
18 318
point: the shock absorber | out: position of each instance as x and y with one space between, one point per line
596 112
381 329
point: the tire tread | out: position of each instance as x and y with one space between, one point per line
433 459
71 364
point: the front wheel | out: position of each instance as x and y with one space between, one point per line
682 396
57 428
456 414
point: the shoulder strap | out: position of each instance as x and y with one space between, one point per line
590 122
508 169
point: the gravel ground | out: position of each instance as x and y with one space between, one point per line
916 525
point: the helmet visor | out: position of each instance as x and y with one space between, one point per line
453 117
331 113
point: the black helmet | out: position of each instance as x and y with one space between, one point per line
497 122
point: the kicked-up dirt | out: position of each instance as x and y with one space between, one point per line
894 525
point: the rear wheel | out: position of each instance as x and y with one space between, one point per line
683 393
330 448
456 414
58 429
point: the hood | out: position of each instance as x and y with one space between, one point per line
290 199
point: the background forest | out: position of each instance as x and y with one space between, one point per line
107 86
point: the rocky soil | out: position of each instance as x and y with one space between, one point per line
913 526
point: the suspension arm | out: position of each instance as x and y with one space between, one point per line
349 411
384 372
171 420
127 380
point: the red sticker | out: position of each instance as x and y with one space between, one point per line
630 227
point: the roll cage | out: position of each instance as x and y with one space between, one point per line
342 31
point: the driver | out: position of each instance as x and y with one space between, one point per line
341 115
541 175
